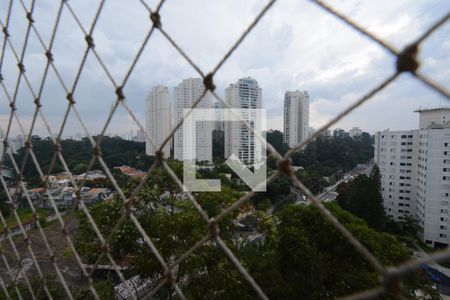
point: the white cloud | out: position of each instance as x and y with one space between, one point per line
296 46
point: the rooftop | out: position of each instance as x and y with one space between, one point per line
419 110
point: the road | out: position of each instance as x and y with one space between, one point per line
330 191
420 253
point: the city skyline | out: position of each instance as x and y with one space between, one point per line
310 139
335 64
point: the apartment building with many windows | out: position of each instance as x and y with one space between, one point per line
186 93
415 174
158 120
239 140
296 117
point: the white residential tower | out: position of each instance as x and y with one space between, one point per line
186 93
415 174
239 140
158 120
296 117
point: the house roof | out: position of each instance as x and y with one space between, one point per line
130 171
38 190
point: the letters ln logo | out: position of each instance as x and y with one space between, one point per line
246 148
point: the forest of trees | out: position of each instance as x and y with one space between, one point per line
326 155
362 197
298 241
115 151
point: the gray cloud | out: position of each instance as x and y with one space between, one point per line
296 46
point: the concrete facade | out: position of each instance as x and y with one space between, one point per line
415 174
158 120
186 93
239 140
296 117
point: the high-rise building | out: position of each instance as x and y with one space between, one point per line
355 132
326 133
140 135
415 174
17 143
158 120
339 133
186 93
239 140
219 125
296 117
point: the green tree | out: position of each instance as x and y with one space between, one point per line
5 208
308 244
174 225
115 152
362 197
297 241
264 205
218 140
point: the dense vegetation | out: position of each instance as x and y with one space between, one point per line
298 241
362 197
328 154
325 157
324 161
115 151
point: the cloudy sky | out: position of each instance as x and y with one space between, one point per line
295 46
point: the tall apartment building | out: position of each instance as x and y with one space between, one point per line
219 124
158 120
415 174
16 143
296 117
140 135
239 140
339 133
355 132
186 93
